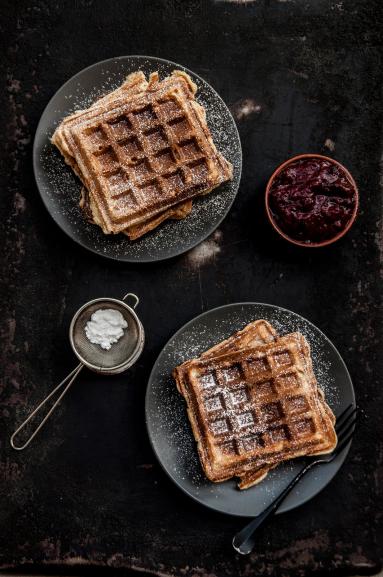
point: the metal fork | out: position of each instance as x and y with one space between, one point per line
244 541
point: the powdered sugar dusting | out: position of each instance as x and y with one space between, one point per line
61 189
168 424
206 251
245 108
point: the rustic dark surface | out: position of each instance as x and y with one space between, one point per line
300 76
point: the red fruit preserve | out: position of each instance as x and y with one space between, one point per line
312 200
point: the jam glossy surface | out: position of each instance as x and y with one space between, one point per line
312 200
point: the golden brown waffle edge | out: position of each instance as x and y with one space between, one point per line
142 201
255 470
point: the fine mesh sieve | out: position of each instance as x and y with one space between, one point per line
122 354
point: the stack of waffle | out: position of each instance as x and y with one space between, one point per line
253 402
142 152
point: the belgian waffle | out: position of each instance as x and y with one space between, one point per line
134 84
254 408
256 333
140 155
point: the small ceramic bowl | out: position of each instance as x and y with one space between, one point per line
272 218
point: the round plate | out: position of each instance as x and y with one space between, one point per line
170 433
60 189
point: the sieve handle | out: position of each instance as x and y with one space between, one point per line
135 297
67 381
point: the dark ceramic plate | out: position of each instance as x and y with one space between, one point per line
60 189
170 433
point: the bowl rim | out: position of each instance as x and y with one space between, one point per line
271 217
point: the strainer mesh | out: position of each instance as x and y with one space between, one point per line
93 354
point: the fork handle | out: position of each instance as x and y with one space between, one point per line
244 541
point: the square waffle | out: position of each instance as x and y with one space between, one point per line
134 84
254 408
256 333
142 153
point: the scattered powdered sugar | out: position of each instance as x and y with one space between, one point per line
166 412
245 108
330 144
322 363
206 251
60 188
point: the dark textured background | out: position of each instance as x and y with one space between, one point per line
299 76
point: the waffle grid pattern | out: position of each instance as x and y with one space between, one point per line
143 152
256 404
146 153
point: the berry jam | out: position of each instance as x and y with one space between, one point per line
312 200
